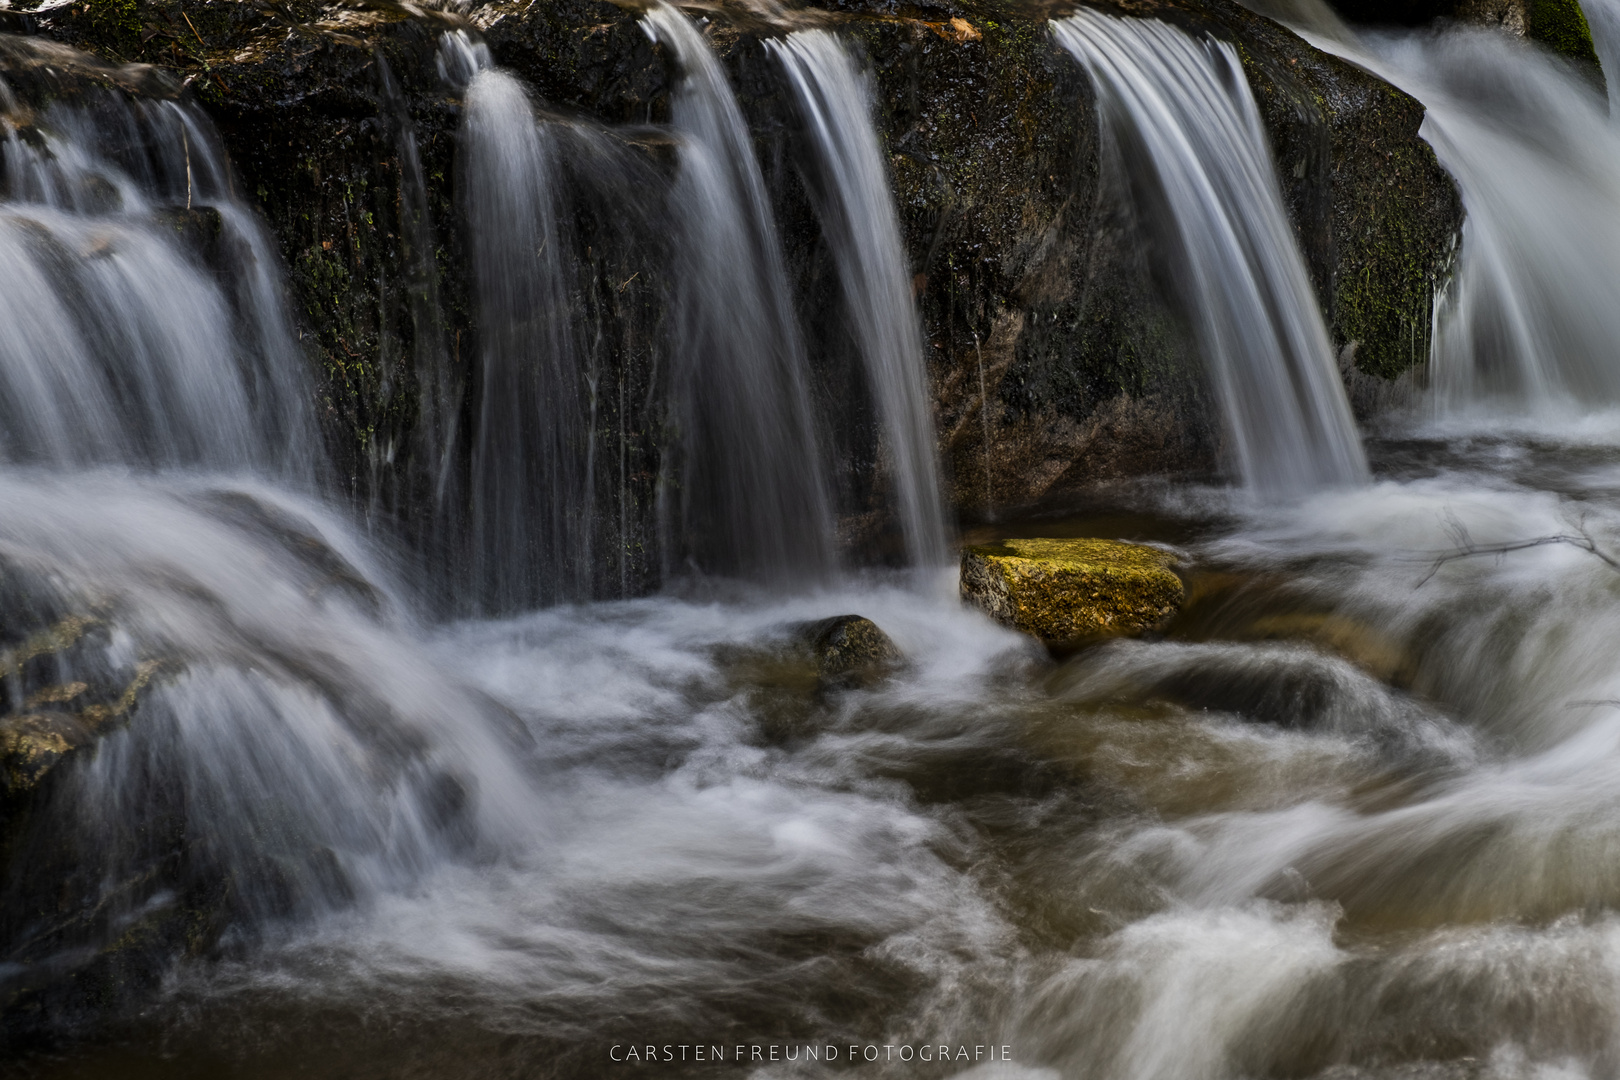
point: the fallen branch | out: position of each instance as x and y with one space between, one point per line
1466 548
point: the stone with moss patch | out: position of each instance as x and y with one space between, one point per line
1561 26
1070 590
850 649
35 740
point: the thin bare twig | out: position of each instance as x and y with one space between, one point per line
1466 548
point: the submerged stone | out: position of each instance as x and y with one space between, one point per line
32 743
37 739
1068 590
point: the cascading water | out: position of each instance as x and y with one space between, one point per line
752 490
851 191
1527 324
295 742
530 489
1182 111
1350 817
122 345
1530 317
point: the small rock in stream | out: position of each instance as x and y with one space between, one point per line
1072 590
850 650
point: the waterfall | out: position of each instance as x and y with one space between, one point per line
530 492
297 738
752 492
1530 317
144 311
851 194
1181 106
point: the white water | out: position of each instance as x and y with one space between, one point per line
122 345
1181 111
1474 909
1527 326
531 502
752 491
302 731
550 820
1355 818
1239 852
853 200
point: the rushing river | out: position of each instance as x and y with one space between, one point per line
1354 815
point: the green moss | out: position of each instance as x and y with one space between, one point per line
1068 590
1386 307
114 26
1561 26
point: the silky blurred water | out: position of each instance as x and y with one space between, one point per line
1175 109
1352 815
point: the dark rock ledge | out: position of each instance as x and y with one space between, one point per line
1033 279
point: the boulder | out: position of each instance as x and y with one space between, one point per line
850 649
1071 590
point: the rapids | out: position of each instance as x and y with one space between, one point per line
1355 812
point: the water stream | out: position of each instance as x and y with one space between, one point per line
851 190
1527 325
753 493
530 490
122 343
1180 111
1352 815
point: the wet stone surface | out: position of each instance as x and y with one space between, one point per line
1067 591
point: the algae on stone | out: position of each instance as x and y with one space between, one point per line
36 740
1066 590
1561 26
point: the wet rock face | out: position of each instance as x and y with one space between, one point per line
1054 355
1377 217
1560 25
1072 590
58 695
53 718
61 957
1393 12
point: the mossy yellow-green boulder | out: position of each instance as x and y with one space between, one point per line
1069 590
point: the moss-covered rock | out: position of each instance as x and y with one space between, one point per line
1071 590
850 650
32 743
1561 26
60 718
